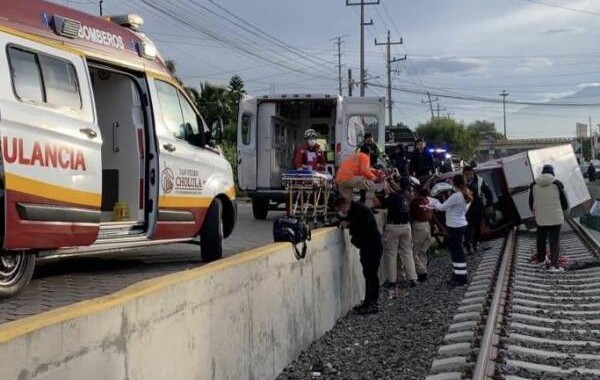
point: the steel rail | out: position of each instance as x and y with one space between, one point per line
588 240
484 358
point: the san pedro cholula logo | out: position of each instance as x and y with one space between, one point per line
167 180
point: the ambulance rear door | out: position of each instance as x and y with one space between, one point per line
50 147
355 117
246 142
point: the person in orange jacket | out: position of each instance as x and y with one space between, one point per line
309 155
355 172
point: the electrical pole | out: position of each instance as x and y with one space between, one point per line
362 38
350 82
390 60
504 94
430 102
338 41
440 109
101 1
592 142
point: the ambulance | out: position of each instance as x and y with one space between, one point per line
271 127
101 148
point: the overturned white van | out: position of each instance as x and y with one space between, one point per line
272 126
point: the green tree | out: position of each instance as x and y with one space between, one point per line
236 89
214 102
485 129
452 134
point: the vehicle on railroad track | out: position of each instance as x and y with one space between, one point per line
510 178
102 149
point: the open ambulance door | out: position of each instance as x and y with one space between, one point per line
246 143
355 117
51 144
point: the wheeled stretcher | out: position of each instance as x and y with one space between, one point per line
308 194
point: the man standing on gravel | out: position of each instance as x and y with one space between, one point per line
547 201
397 237
365 236
482 200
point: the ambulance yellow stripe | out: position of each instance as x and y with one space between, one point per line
231 193
46 190
183 202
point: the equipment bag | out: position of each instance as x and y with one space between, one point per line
294 231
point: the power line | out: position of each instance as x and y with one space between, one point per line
488 100
564 7
224 40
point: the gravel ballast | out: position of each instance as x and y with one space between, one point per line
399 342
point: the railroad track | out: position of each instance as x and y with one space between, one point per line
518 321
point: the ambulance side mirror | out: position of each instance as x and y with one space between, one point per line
216 132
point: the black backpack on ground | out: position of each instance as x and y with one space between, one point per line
294 231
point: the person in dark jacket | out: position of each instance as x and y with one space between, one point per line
397 236
373 147
482 200
365 236
399 160
421 161
548 201
591 172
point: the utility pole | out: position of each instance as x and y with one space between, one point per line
362 38
592 142
440 109
101 1
430 102
504 94
350 82
390 60
338 41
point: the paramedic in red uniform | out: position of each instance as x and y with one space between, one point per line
309 155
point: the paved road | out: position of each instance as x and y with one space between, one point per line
68 281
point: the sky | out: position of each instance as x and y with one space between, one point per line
539 51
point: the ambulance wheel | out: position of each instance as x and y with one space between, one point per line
211 237
260 208
16 269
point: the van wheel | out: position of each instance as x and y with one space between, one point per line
16 269
260 208
211 237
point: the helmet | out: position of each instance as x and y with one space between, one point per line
310 134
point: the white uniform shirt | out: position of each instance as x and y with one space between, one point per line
456 210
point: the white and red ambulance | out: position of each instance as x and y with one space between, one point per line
101 149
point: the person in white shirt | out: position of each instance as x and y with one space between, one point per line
456 207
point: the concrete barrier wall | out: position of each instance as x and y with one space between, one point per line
244 317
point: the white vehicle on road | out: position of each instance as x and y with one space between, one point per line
102 150
271 127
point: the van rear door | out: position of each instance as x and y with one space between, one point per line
246 155
355 117
50 148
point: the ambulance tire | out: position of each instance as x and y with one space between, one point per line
211 237
15 273
260 208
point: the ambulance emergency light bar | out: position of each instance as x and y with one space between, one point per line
131 21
